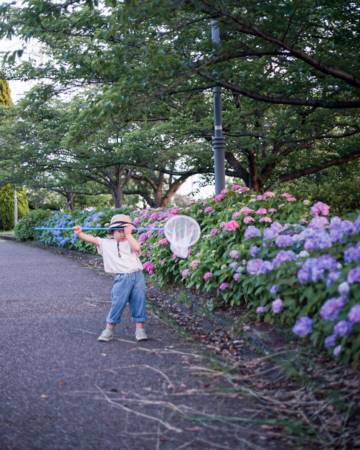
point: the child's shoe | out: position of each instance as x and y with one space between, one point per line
106 335
140 334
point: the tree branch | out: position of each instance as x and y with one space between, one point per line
315 169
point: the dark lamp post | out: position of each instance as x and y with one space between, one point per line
218 138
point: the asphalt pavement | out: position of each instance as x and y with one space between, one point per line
61 389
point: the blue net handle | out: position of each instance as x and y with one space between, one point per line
94 228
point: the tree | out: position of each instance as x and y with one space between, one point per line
288 69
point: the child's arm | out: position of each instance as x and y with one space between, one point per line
134 244
86 237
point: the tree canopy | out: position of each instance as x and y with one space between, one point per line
142 123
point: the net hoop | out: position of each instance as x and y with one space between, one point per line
182 232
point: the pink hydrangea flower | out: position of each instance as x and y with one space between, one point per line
268 194
163 242
230 226
149 267
236 187
266 219
288 197
248 219
194 263
208 209
185 273
219 197
225 191
235 254
174 211
244 189
207 276
214 232
320 209
272 210
261 211
260 197
224 286
246 210
236 215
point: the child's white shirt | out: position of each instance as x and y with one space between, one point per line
127 262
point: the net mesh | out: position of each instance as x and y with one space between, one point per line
182 232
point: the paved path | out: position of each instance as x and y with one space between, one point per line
61 389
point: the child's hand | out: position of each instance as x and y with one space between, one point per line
128 228
77 229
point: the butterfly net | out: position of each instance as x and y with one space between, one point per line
182 232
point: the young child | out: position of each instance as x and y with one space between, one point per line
120 254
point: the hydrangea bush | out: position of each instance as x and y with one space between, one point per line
67 239
288 261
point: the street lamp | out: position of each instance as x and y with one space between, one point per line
218 138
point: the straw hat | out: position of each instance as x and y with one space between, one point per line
119 220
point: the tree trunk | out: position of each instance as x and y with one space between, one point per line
254 179
118 195
70 200
158 194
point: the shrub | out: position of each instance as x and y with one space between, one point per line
67 239
287 262
7 206
24 230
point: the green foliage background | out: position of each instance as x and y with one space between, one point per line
7 206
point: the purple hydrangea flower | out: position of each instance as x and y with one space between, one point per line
236 276
251 232
357 224
282 257
314 269
339 229
207 276
277 306
283 241
274 289
352 253
267 267
261 309
214 232
303 326
342 328
318 222
344 289
254 250
254 266
273 231
337 350
233 265
331 308
330 341
143 237
224 286
320 240
333 276
354 314
354 275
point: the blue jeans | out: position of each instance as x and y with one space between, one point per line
128 287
